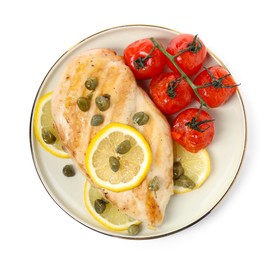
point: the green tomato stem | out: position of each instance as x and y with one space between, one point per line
172 60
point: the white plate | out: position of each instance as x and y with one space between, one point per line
226 151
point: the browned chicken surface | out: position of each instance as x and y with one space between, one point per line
126 98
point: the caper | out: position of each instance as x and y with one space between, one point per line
114 163
97 120
91 83
178 170
123 147
68 170
134 229
100 205
154 185
83 103
140 118
102 102
185 181
48 136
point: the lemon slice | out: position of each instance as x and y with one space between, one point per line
196 167
128 168
111 217
43 122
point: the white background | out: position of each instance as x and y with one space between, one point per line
33 36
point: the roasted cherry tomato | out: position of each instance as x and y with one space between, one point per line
217 85
193 53
144 60
193 129
170 93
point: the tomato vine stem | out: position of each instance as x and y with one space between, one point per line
217 83
172 60
195 124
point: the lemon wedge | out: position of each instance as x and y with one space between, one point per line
44 130
118 158
110 217
196 168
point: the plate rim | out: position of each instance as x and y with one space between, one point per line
121 236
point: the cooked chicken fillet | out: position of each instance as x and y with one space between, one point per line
126 98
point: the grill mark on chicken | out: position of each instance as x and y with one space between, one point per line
152 208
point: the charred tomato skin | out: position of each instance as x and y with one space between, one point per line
183 92
214 96
191 139
140 53
190 62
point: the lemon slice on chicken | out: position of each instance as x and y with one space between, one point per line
44 130
118 158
